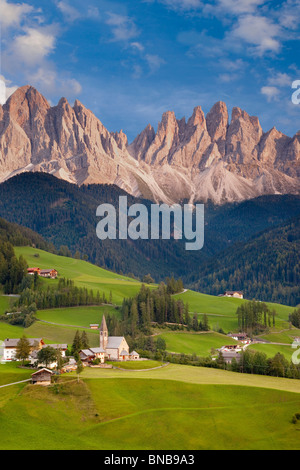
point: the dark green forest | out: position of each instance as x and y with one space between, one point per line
241 250
265 268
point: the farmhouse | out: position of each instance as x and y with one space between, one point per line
10 347
234 293
94 326
49 273
240 337
42 377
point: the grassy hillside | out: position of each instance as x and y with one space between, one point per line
82 273
106 414
198 343
271 349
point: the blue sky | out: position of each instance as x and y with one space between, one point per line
129 61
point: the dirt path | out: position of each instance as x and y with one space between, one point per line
15 383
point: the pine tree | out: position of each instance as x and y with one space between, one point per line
76 345
84 340
23 349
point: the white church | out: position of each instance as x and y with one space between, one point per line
112 348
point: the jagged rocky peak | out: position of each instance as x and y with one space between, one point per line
197 118
217 125
167 127
217 121
25 103
121 139
142 142
204 158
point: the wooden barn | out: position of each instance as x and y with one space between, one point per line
42 377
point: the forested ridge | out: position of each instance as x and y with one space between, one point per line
245 246
266 268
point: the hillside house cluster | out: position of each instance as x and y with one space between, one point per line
36 344
47 273
233 293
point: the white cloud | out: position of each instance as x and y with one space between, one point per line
258 31
70 13
280 79
123 27
271 92
12 14
240 6
6 89
47 81
154 62
183 4
33 46
138 46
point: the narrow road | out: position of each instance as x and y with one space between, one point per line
64 324
15 383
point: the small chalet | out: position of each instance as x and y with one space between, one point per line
234 293
49 273
94 326
42 377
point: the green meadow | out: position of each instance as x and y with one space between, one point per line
198 343
84 274
271 349
10 373
137 365
105 410
5 303
59 325
77 316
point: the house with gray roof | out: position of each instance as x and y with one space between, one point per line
10 347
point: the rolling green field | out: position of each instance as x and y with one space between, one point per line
271 349
77 316
82 273
5 303
176 414
137 365
10 373
198 343
221 310
287 336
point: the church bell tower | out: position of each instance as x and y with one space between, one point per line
103 334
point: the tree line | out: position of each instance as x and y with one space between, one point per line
255 317
66 294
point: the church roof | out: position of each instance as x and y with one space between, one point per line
103 326
114 342
97 350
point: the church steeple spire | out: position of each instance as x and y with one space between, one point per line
103 333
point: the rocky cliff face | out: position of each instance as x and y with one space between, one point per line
204 158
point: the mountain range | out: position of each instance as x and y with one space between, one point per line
206 158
